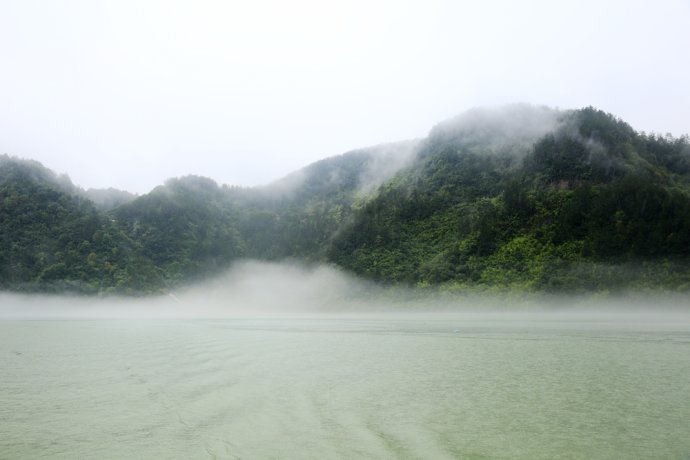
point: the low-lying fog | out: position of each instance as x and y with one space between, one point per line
306 362
262 289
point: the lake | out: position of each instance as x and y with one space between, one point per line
393 386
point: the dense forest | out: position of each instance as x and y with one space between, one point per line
521 197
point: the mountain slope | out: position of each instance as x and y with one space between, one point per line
187 228
590 193
520 197
299 215
52 239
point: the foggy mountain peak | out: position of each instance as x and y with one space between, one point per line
492 128
360 171
34 171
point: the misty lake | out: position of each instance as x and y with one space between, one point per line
453 386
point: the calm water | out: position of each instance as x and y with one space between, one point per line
435 387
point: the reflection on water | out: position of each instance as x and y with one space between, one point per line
415 387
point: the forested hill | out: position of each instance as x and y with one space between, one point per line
588 205
520 197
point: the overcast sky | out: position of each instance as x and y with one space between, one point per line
129 93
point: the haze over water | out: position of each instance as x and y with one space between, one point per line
283 361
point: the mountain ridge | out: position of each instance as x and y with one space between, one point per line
523 197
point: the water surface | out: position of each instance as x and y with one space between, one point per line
420 386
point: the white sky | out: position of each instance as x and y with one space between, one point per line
127 93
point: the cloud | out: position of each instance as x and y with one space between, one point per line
494 129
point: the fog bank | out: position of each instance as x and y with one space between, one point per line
262 289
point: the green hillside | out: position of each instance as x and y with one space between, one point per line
53 239
592 205
521 197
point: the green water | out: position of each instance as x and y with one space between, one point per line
451 387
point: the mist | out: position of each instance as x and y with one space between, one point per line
361 171
218 357
494 129
253 289
388 160
270 358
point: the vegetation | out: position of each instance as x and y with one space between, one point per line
526 198
53 239
592 206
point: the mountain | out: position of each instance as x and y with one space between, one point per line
54 239
589 205
298 216
519 197
187 228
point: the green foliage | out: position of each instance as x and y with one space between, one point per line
186 228
589 197
589 205
51 240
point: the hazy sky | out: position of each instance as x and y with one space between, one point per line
128 93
